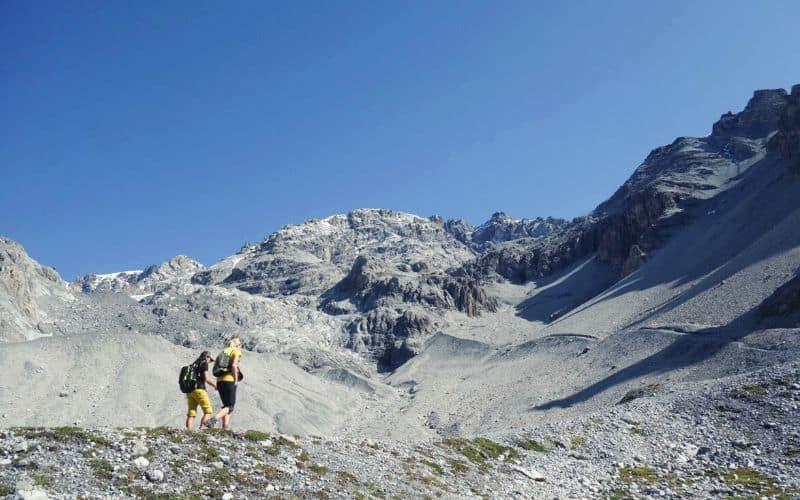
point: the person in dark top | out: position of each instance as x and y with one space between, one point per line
199 396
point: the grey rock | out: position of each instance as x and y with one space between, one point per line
155 475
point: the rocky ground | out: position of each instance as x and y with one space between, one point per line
736 437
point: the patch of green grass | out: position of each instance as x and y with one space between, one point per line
644 475
220 476
532 445
42 480
750 392
161 430
636 431
434 466
252 435
271 472
102 468
209 453
318 469
177 465
474 456
303 456
70 434
345 477
754 482
6 490
576 442
458 466
496 450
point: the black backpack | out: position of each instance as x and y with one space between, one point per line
187 380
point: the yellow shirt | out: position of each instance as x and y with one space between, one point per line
233 353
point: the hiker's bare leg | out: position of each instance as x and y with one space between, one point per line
203 420
226 420
189 422
223 414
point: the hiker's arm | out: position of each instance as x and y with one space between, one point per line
235 369
208 380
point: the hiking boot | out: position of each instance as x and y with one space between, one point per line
211 422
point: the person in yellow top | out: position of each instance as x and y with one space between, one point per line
227 383
199 396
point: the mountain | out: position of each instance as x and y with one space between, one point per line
698 248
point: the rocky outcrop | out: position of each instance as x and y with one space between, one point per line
29 294
786 141
759 118
390 337
368 285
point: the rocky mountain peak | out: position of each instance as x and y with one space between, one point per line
178 266
501 227
759 118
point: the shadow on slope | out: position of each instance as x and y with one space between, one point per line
558 294
689 349
731 232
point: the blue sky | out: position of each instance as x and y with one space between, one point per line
132 132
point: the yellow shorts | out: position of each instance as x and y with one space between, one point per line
195 398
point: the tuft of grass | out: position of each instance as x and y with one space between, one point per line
271 472
636 431
791 452
102 468
69 433
42 480
644 475
160 431
6 490
318 469
753 481
458 466
638 474
209 452
303 456
576 442
434 466
345 477
496 450
532 445
252 435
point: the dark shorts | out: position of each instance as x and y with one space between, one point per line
227 393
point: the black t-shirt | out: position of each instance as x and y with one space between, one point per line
201 377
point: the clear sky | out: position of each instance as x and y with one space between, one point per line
134 131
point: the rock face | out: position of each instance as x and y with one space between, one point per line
758 119
29 294
787 140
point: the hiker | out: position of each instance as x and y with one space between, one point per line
228 373
199 396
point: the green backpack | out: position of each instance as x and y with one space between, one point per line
222 365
